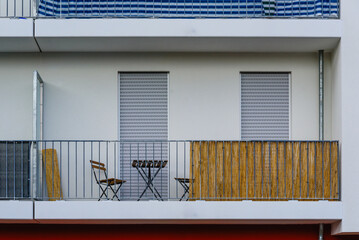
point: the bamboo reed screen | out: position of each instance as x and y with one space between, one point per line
287 170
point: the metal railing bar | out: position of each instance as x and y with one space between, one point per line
6 169
285 169
200 170
262 160
192 148
270 169
308 170
300 170
247 170
315 170
184 163
53 170
130 169
239 169
330 169
22 169
176 168
45 164
162 172
292 170
231 170
323 183
169 169
338 172
68 167
14 153
277 153
99 170
223 166
138 176
91 167
107 170
76 169
254 169
60 161
83 168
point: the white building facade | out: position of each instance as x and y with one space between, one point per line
120 88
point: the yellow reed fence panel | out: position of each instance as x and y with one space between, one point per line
319 170
243 170
296 170
233 170
334 167
326 170
274 174
219 170
288 170
304 169
212 170
311 170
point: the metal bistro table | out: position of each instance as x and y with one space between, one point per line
141 165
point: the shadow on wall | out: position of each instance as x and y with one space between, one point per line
173 232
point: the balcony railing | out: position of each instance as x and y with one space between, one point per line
170 8
170 170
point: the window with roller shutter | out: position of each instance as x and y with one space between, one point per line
265 106
143 118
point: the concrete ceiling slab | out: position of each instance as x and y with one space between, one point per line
184 44
16 35
186 35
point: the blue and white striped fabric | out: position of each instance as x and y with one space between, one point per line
189 8
313 8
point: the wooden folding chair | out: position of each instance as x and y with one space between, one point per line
99 169
185 182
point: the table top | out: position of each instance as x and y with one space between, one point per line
149 163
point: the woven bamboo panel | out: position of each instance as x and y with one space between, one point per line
276 171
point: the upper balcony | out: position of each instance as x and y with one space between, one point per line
185 26
313 9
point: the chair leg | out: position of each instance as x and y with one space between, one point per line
186 190
115 192
103 193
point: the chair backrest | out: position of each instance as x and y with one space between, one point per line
97 169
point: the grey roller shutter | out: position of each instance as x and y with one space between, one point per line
265 106
143 129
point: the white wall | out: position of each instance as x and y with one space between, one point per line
81 100
346 115
81 92
16 97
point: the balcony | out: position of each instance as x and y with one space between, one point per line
318 9
183 170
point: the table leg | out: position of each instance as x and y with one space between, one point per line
147 181
149 184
